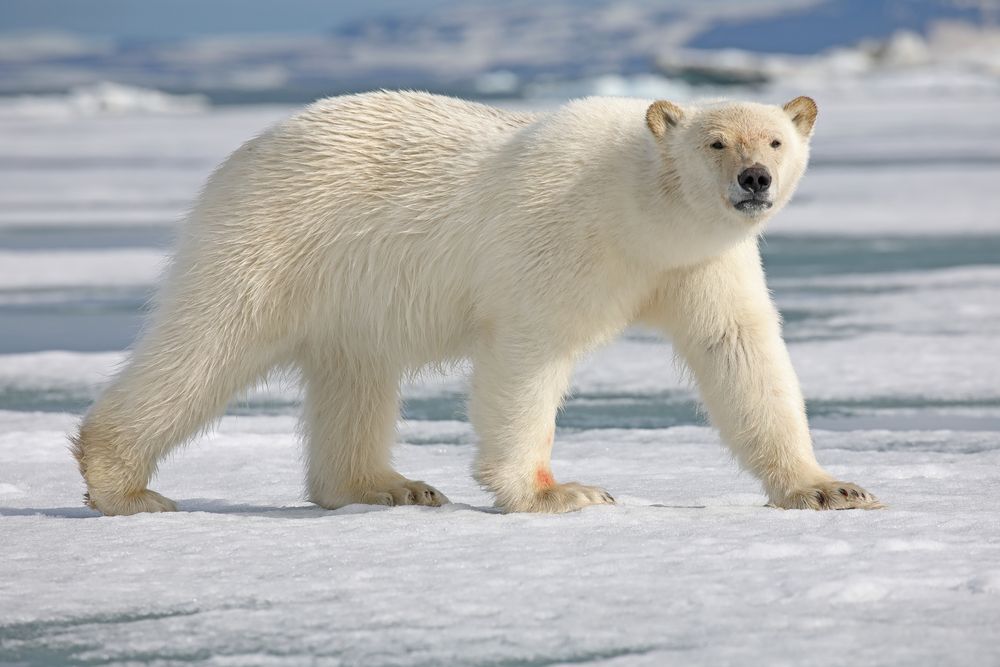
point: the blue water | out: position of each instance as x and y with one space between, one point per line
828 24
96 319
92 319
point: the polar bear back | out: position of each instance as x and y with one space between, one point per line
410 222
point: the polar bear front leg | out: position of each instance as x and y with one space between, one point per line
516 390
725 326
350 416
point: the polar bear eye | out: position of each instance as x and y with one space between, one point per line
775 144
718 145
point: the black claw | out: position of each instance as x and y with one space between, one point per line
843 492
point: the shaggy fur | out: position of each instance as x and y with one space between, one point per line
374 234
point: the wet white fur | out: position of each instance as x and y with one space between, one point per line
374 234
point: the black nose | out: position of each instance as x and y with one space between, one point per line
755 179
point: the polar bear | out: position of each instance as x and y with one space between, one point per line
374 234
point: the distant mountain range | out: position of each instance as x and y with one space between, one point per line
477 49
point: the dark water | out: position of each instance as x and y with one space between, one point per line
108 319
103 319
84 238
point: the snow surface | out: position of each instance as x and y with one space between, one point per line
102 98
886 268
689 568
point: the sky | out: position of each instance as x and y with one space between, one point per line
176 18
826 23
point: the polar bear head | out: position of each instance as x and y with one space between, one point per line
743 157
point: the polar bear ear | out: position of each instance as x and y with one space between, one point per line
802 111
662 115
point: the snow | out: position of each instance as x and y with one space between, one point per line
885 268
688 568
952 55
447 46
853 337
41 270
102 98
132 170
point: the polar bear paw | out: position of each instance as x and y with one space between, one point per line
129 503
559 498
830 495
400 491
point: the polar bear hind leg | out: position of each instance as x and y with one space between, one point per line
350 425
179 380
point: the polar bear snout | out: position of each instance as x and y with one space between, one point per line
751 193
756 179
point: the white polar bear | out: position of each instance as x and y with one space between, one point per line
374 234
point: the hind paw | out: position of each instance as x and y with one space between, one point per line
130 503
399 491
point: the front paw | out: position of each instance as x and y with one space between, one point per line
830 495
394 492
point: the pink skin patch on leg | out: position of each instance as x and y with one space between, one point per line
544 478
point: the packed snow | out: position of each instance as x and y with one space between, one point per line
101 98
689 567
886 268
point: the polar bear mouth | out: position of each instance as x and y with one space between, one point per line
752 205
